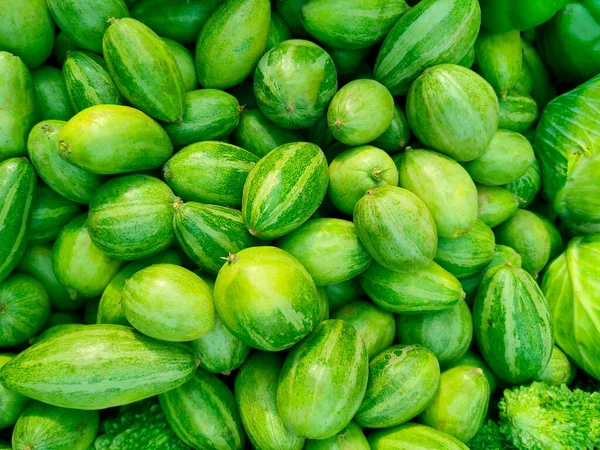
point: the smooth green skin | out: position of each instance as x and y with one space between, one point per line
461 403
51 94
396 228
509 310
144 69
411 47
356 170
181 21
210 172
278 31
50 212
294 83
185 62
347 61
62 46
499 59
527 186
518 112
341 294
210 114
24 309
376 327
203 414
413 436
496 204
507 157
11 403
329 249
569 157
17 185
85 21
333 359
134 367
284 189
559 370
444 186
360 112
397 135
472 359
447 333
351 24
466 255
57 330
37 262
256 397
44 426
168 302
231 42
113 139
499 16
131 217
418 290
350 438
19 109
402 381
262 313
66 179
569 41
259 135
88 81
454 111
209 233
26 30
290 10
541 89
78 264
468 60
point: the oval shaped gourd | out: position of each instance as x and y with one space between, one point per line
11 403
468 130
376 327
48 426
509 310
413 436
17 184
527 186
447 333
356 170
26 30
294 83
350 438
185 62
460 405
144 70
559 370
541 89
203 414
70 181
85 22
329 249
181 21
407 238
466 255
17 100
360 112
131 217
210 233
88 81
278 31
250 303
444 186
341 294
231 42
331 364
259 135
51 94
397 135
78 264
499 58
210 172
113 139
418 290
256 397
518 112
135 367
411 46
50 212
495 205
472 359
284 189
402 381
209 114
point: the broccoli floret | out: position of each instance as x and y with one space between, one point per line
489 437
543 417
140 426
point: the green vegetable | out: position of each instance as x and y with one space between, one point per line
340 294
518 112
527 186
51 94
499 16
11 403
413 436
397 136
472 359
50 212
499 58
185 62
489 437
559 370
495 204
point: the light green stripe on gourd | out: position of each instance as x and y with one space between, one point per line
413 436
203 414
11 403
185 62
51 94
397 136
499 58
50 212
495 204
350 438
278 31
134 367
256 396
560 370
518 112
527 186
